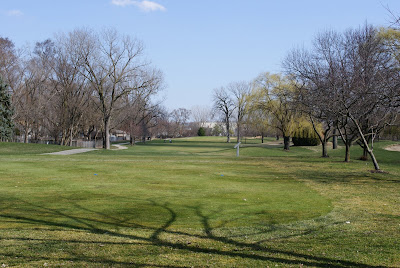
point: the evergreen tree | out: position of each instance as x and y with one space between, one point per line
6 113
201 132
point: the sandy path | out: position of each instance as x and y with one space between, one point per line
120 146
394 147
73 151
84 150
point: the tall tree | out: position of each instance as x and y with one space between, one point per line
373 94
240 93
273 94
316 75
201 115
72 91
114 67
224 105
179 118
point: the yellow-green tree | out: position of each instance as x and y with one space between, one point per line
273 93
391 38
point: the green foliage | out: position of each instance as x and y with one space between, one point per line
6 113
201 132
305 136
273 95
392 39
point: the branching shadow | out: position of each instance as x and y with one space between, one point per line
107 225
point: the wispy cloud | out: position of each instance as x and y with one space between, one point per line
145 5
15 13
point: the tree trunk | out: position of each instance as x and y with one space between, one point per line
364 157
26 130
286 142
106 141
347 155
376 166
324 150
334 139
262 137
228 135
70 136
322 138
365 142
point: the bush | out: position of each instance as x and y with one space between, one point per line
201 132
305 137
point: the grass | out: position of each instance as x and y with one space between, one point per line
193 203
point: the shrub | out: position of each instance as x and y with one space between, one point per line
201 132
305 136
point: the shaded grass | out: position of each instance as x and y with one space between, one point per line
192 203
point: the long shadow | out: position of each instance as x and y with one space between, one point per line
107 227
94 260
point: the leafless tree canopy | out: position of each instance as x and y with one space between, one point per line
82 82
224 105
240 92
349 81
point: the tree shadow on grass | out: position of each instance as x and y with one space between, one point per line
108 225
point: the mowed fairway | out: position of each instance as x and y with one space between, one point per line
193 203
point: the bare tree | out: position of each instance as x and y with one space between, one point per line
114 67
142 110
373 96
72 91
179 118
224 105
201 115
240 92
316 75
351 81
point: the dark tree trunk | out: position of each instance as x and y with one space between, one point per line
262 137
228 135
70 136
364 157
347 155
286 142
324 149
334 139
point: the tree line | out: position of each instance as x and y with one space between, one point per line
81 83
85 83
346 85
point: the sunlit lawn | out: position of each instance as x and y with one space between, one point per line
192 202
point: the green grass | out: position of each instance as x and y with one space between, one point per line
193 203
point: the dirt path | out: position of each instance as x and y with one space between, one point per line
73 151
393 147
84 150
120 146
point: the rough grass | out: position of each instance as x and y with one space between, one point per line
193 203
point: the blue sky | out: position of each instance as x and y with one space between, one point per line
198 44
